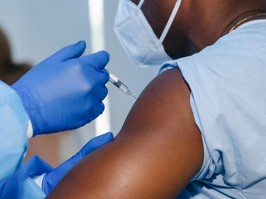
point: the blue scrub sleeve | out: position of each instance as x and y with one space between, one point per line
13 130
20 185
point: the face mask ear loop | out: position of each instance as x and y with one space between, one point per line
170 21
140 3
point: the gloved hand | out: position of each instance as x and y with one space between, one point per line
66 90
52 178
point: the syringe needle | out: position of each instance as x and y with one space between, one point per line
134 96
115 81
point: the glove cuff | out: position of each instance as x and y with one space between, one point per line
29 105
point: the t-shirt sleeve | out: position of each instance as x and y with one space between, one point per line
225 80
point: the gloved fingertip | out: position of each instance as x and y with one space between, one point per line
80 43
93 144
104 138
103 58
72 51
106 54
100 108
109 136
78 48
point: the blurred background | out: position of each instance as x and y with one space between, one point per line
36 29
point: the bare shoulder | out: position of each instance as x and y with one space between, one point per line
164 103
155 155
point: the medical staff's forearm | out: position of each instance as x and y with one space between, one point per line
13 130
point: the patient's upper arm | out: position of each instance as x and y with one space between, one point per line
156 153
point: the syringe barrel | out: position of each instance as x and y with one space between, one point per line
125 89
114 80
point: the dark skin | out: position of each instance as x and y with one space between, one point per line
198 23
159 148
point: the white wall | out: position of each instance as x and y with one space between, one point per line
37 28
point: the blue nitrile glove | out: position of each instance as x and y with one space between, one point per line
52 178
65 91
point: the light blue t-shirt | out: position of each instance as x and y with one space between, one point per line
228 99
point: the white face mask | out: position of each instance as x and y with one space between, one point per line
137 37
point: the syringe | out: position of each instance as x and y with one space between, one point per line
115 81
